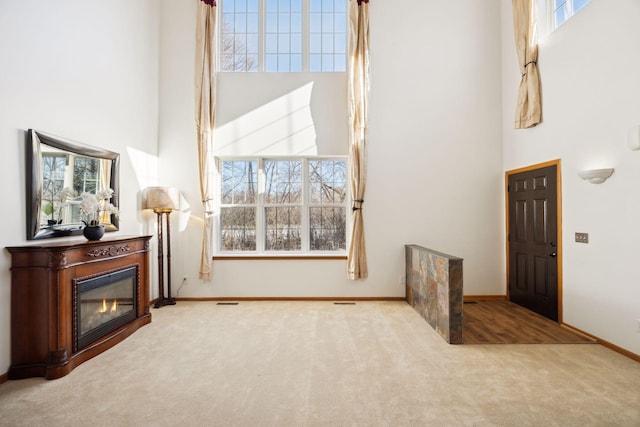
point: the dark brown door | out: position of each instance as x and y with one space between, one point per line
533 245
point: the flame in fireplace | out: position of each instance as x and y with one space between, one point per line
104 308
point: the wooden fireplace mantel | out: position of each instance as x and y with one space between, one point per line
42 298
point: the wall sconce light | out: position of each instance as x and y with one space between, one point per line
595 176
162 200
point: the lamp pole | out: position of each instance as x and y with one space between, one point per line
162 300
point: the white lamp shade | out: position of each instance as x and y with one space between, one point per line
161 198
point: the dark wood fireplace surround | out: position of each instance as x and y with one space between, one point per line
43 279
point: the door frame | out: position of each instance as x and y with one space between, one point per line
507 174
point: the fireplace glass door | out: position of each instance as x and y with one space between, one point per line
103 304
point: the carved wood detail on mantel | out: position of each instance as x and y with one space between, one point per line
110 251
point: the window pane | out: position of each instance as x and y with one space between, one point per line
271 62
252 43
296 63
315 63
340 43
238 229
227 23
339 62
252 23
252 62
240 43
271 43
327 23
296 5
283 62
272 5
241 5
327 229
272 23
296 43
340 20
340 6
327 43
296 23
315 43
561 15
239 182
241 23
283 43
284 6
315 5
252 6
327 62
327 181
327 5
283 181
283 228
315 22
284 23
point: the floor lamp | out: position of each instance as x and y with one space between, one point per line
162 200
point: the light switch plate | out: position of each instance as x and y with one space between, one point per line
582 237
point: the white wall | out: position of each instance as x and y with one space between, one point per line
591 87
86 71
434 157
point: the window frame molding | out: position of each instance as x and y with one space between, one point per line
260 252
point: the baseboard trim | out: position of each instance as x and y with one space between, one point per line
604 343
4 378
291 299
484 298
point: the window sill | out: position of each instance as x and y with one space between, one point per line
278 257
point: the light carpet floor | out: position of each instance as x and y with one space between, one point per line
320 364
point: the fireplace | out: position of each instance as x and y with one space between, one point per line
102 304
72 300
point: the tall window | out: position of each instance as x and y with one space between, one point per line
565 9
283 35
285 205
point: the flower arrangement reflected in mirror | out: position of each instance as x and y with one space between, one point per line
56 204
96 208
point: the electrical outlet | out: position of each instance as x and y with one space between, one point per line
401 280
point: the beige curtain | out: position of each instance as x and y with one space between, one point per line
358 105
205 105
528 108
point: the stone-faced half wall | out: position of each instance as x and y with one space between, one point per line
434 290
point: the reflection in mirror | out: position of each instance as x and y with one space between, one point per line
58 172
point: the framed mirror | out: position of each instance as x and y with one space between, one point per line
58 172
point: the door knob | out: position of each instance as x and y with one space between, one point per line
553 244
552 254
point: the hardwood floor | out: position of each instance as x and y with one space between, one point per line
502 322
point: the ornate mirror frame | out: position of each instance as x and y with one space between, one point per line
34 187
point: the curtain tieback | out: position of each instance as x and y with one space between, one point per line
357 208
527 64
